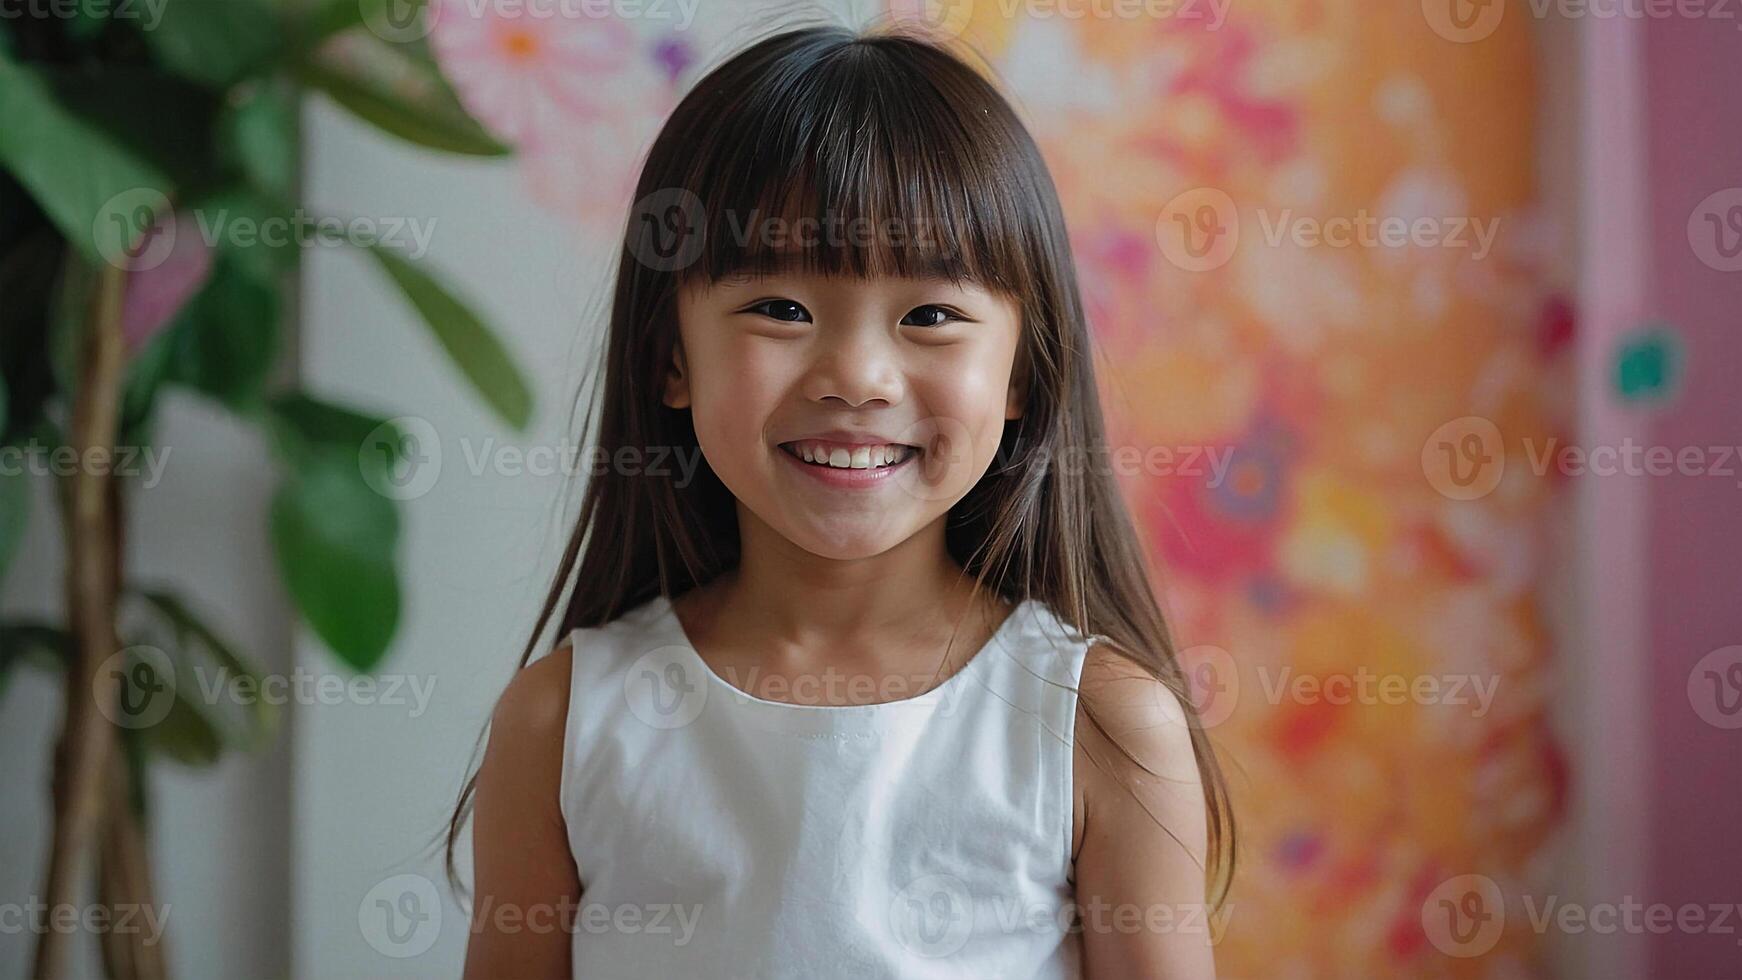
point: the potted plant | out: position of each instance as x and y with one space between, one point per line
146 150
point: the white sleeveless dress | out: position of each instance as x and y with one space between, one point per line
723 835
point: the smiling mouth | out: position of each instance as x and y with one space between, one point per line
841 458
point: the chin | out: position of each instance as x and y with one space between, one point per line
847 540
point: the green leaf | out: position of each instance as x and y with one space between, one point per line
185 734
217 42
14 513
428 116
95 191
472 347
227 338
164 120
28 273
237 221
259 717
35 645
335 540
89 19
304 427
319 21
68 310
260 136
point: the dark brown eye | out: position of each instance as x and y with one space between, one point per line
931 316
784 310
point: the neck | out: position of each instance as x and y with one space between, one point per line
792 596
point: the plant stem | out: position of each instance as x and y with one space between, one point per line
82 757
124 881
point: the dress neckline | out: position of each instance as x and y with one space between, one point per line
672 628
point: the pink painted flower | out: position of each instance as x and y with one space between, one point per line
157 291
588 173
531 71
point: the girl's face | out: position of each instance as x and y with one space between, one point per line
897 389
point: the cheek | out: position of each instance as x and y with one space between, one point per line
734 390
971 392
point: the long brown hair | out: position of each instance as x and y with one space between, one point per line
880 126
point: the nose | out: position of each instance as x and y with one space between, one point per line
857 365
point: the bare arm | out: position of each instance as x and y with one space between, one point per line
527 886
1140 887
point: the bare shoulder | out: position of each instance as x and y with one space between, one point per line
523 757
1133 706
1138 764
536 702
521 773
520 850
1142 843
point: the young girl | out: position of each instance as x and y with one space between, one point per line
879 687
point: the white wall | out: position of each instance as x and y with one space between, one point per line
372 783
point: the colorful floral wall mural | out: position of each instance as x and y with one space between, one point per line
1288 399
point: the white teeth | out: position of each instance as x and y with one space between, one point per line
839 457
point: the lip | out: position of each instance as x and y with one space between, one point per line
848 479
848 438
